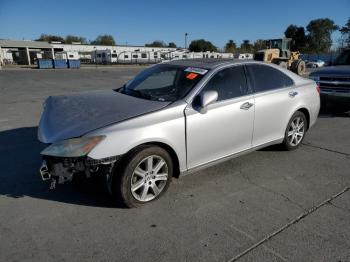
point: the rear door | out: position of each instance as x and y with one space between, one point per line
274 98
226 128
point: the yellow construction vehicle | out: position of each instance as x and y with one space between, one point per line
278 52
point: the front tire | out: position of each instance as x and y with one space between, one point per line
295 131
298 67
144 176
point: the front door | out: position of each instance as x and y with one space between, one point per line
226 128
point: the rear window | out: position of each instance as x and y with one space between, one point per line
265 78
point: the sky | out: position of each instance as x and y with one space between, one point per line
137 22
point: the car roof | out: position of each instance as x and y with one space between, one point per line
207 63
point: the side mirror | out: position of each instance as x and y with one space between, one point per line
207 98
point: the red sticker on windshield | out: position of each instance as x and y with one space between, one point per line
191 76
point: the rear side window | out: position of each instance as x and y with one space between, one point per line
229 83
265 78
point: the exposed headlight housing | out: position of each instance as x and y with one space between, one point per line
75 147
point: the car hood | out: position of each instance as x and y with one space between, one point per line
69 116
333 71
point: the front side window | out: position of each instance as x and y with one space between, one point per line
265 78
343 58
229 83
163 82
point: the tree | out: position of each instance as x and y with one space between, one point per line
78 39
156 43
320 32
345 35
202 45
246 47
104 40
230 47
259 44
51 38
172 45
299 39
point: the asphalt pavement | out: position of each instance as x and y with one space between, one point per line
269 205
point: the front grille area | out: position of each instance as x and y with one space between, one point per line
339 84
337 90
332 79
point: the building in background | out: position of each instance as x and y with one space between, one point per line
27 52
24 52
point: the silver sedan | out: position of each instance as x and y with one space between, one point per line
171 119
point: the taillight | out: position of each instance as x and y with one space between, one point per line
318 88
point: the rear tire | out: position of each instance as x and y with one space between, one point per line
144 176
295 131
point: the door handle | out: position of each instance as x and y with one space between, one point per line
293 93
246 106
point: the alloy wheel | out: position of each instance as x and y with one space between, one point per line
149 178
296 131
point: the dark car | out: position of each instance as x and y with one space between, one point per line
334 81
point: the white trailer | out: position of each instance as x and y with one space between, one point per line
226 55
127 56
107 56
65 55
244 56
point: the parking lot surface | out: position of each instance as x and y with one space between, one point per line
269 205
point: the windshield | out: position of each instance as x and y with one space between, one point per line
164 82
343 58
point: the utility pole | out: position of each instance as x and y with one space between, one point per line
1 60
186 35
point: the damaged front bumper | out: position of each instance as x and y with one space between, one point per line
64 169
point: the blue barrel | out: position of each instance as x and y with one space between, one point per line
74 63
44 63
59 63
